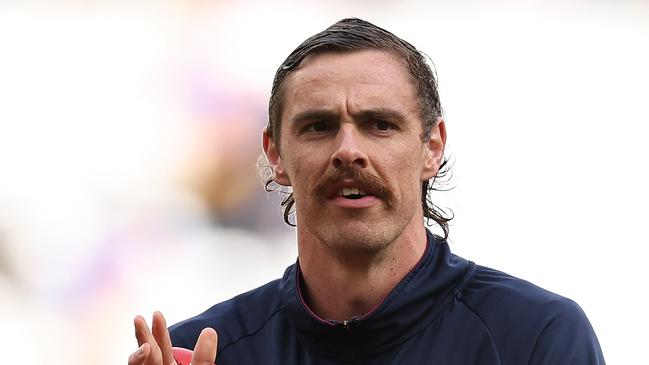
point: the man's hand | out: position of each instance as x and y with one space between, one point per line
155 346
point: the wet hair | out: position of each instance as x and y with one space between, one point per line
353 34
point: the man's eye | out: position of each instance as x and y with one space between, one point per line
383 125
317 127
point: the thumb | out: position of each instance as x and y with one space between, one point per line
205 350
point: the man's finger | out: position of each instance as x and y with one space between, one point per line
161 335
205 350
144 336
140 356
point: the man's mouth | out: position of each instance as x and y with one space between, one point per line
351 193
353 188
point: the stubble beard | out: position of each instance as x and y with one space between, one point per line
359 239
362 232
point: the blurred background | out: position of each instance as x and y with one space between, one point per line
129 132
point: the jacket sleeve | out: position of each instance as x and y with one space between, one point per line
184 334
568 338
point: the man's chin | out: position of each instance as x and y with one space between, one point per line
355 237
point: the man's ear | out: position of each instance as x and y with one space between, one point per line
434 150
274 159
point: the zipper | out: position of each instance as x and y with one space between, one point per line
345 325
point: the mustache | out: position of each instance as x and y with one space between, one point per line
366 180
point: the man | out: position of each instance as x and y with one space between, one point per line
355 128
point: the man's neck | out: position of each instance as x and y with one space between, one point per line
343 284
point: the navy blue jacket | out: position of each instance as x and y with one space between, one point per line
447 310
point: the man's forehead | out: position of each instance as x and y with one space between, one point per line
350 82
368 85
328 63
368 73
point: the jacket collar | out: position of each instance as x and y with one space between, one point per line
410 306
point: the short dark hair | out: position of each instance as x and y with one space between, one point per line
353 34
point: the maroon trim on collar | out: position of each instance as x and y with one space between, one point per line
298 277
412 269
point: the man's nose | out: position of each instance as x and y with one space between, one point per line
348 150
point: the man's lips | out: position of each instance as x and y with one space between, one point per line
349 187
344 186
359 203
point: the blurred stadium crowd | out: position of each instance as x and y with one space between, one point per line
129 134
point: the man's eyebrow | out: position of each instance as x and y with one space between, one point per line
380 114
313 115
365 114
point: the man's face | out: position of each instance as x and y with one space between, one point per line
351 147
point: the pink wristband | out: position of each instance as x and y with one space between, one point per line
182 356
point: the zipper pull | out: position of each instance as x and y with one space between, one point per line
346 325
